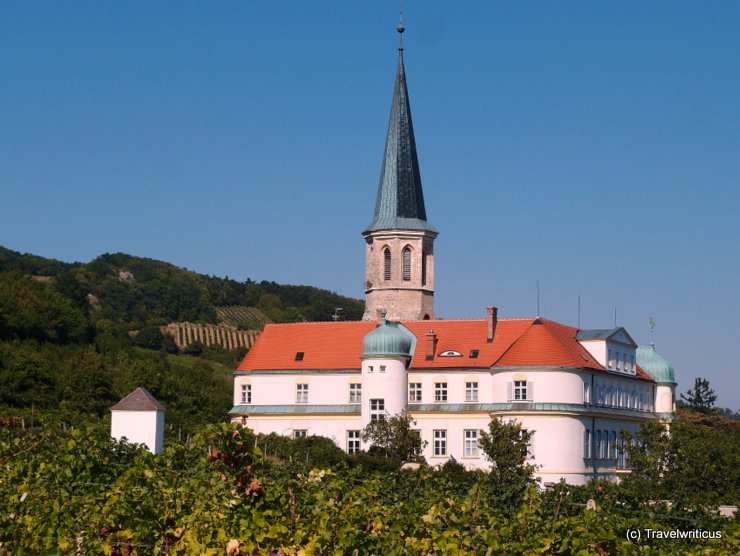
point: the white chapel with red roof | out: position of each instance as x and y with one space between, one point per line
577 390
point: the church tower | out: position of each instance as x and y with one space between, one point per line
399 264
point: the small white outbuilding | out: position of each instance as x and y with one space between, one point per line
139 418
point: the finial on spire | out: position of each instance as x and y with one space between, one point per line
400 30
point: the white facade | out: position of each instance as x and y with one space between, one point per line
577 415
139 427
139 418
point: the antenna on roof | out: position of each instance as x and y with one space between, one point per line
335 316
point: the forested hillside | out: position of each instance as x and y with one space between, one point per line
75 338
140 291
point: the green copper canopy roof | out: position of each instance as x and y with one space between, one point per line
657 367
387 340
400 201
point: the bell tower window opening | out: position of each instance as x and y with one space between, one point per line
423 268
386 264
407 264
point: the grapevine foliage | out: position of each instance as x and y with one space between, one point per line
79 492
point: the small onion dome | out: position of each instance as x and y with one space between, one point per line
654 364
387 340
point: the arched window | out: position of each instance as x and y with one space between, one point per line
423 268
387 264
407 264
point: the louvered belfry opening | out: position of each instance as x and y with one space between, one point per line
407 264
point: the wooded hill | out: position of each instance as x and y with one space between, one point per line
77 337
140 291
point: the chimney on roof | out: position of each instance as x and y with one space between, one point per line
492 317
431 344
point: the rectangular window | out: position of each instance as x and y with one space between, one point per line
587 439
599 452
440 391
440 443
611 359
603 451
377 410
520 390
301 393
382 368
470 448
415 392
246 393
619 361
623 458
353 442
613 446
632 363
369 368
355 393
586 392
300 433
471 391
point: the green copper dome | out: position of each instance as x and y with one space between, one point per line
657 367
387 340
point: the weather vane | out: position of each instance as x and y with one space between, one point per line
400 29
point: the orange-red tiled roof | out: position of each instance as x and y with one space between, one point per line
548 343
463 336
325 345
338 345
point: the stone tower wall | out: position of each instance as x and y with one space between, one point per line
411 299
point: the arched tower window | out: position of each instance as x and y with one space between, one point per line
386 264
407 264
423 268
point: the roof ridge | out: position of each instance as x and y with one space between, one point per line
305 322
512 344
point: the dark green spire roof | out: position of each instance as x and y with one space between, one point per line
400 202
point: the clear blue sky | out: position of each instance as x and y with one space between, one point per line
592 146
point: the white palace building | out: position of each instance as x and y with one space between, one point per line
575 389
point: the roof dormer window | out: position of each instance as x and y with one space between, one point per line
299 356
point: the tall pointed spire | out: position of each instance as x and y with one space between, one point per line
399 243
400 200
